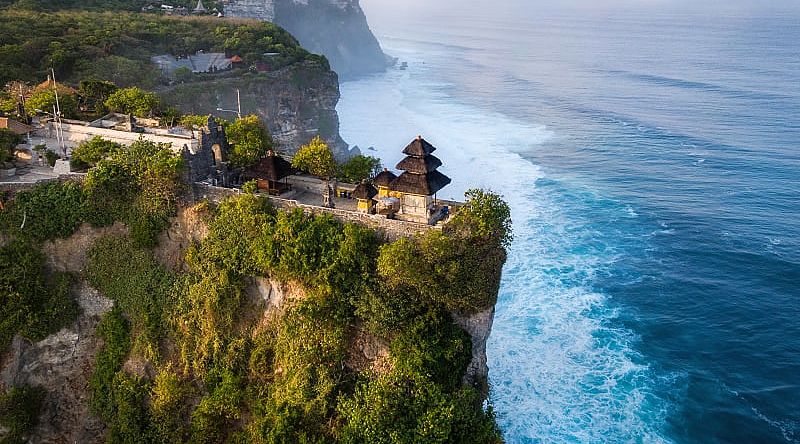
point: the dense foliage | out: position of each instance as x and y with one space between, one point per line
315 158
358 168
219 368
8 141
250 140
95 5
117 46
139 185
32 303
92 151
47 211
19 412
133 100
43 100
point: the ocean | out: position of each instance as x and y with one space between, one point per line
652 163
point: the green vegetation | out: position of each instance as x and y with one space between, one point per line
134 101
48 211
315 158
117 46
8 141
139 185
94 94
218 367
19 412
43 101
138 284
358 168
250 140
92 151
32 303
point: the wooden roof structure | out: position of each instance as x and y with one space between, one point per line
15 126
272 167
419 170
364 191
384 178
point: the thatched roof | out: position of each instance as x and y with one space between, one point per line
272 168
423 184
364 191
419 165
419 148
384 179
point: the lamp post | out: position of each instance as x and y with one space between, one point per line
59 133
238 109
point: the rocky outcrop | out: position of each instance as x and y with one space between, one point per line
337 29
298 102
479 327
62 364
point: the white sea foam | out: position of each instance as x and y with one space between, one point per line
559 368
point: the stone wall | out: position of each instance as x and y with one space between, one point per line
392 229
75 134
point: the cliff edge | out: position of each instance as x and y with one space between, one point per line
337 29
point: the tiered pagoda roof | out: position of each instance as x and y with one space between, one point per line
419 170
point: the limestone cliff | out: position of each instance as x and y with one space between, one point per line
337 29
298 102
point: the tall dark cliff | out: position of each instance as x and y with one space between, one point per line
337 29
297 102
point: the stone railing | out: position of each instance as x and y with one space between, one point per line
392 229
17 186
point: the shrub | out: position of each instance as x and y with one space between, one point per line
139 185
136 281
30 304
169 408
432 345
409 408
8 141
51 158
115 333
47 211
358 168
92 151
44 99
250 187
485 216
19 412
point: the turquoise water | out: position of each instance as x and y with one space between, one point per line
652 165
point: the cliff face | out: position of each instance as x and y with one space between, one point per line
297 102
337 29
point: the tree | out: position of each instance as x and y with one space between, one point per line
134 101
358 168
95 93
250 140
316 159
44 99
485 215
